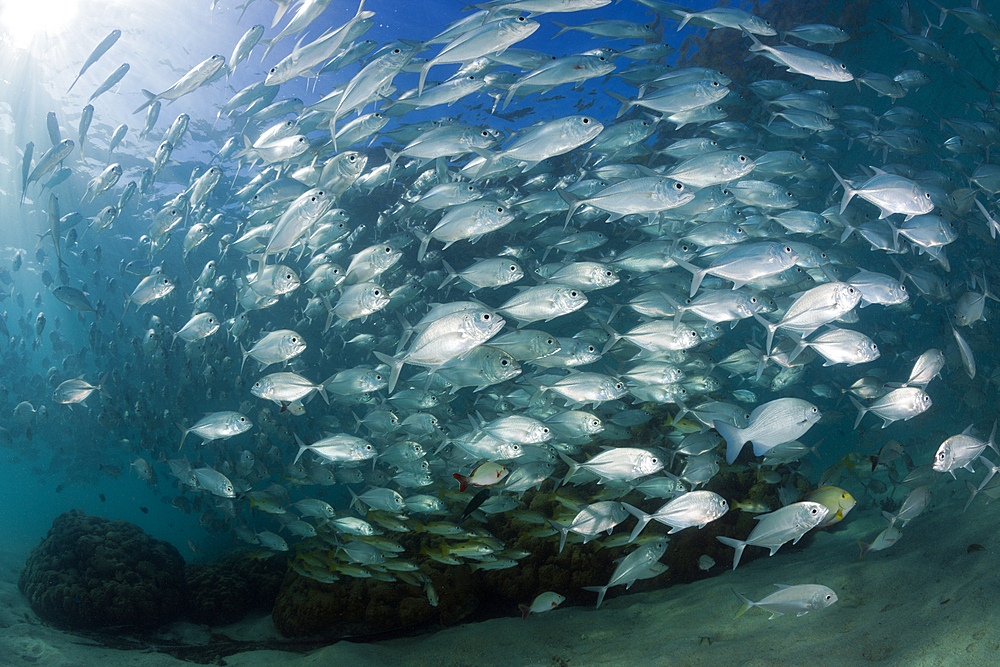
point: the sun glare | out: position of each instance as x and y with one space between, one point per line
23 20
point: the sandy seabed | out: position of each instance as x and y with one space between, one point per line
929 600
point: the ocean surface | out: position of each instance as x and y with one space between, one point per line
117 452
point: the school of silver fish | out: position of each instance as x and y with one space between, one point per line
367 319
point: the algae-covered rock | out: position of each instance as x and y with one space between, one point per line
225 590
90 572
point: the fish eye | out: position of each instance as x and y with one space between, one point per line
678 186
513 267
828 597
294 339
715 84
753 299
388 249
521 19
927 194
504 362
815 410
273 70
486 317
573 293
788 248
585 120
397 51
499 209
843 66
549 341
377 292
743 158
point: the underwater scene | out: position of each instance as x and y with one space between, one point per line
530 333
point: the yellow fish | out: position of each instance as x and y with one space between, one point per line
838 501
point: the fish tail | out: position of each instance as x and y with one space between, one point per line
423 76
643 520
600 590
849 192
733 437
395 365
739 545
747 603
452 275
302 448
756 46
865 548
463 481
573 467
563 532
697 275
573 201
973 492
613 336
425 240
626 104
184 434
525 610
861 410
355 499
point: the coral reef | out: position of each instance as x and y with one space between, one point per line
225 590
90 572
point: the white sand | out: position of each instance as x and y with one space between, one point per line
925 601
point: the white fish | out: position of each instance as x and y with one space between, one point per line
883 540
773 423
915 503
903 403
890 193
799 600
543 602
960 451
591 521
617 463
695 508
217 426
632 568
776 528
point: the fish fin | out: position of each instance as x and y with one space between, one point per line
733 437
697 275
600 590
563 532
395 365
463 481
849 192
626 104
525 610
573 467
747 604
861 410
150 98
739 545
